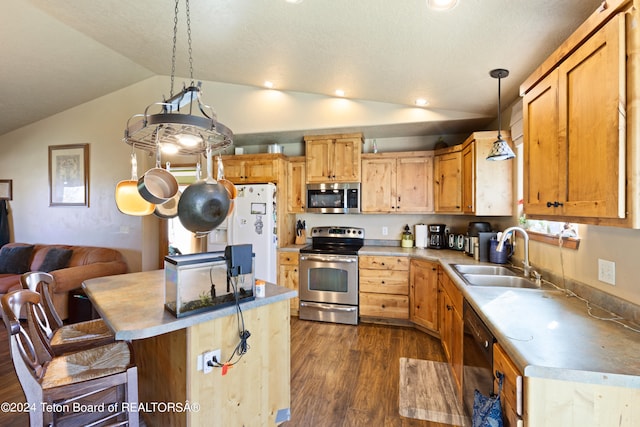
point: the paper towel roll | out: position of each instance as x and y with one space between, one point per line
421 236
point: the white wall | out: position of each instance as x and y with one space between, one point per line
101 124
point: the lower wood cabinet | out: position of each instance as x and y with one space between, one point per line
512 387
423 283
384 287
452 326
288 276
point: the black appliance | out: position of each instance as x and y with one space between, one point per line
477 355
437 236
472 240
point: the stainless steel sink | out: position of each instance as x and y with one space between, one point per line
496 276
494 270
511 281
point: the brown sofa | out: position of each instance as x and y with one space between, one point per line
70 268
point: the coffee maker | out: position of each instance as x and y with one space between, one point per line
437 238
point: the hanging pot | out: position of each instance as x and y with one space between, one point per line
231 188
128 199
204 204
157 185
168 209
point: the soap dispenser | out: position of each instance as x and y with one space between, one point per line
407 237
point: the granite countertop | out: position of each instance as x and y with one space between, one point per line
132 304
547 333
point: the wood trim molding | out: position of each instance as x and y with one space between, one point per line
567 242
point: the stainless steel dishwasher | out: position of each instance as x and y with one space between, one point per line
477 357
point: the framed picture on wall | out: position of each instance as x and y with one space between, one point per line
6 189
69 175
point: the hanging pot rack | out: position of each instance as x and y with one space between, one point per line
167 122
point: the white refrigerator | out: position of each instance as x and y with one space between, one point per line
253 221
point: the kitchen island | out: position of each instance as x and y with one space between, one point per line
173 389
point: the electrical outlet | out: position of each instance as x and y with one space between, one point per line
385 231
607 271
209 357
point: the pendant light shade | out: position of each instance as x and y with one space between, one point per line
500 149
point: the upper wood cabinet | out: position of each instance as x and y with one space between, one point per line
333 158
397 182
252 168
447 179
575 133
487 186
465 182
296 186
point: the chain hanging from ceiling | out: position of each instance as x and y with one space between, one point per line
182 123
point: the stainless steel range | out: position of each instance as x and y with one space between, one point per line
329 275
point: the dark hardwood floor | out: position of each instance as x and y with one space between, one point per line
344 375
341 375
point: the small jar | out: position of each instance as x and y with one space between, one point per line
260 289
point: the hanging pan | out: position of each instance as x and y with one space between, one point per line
204 204
168 209
231 188
157 185
128 199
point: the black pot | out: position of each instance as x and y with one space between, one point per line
203 206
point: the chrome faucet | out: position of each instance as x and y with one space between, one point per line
503 238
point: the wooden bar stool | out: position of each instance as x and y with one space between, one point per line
59 389
63 338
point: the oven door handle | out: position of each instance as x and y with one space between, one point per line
330 258
326 307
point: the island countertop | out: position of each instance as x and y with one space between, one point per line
132 304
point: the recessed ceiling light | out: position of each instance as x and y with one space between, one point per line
268 84
339 92
294 1
442 4
421 102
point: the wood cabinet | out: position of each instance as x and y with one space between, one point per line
465 182
423 284
333 158
296 185
447 179
511 398
487 186
451 326
253 168
575 133
289 276
384 287
397 182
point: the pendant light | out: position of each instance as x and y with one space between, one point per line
183 120
500 149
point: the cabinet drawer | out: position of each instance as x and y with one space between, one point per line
288 258
383 262
384 282
383 305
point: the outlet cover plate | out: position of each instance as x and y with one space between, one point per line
607 271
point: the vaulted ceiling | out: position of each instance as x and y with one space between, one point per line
58 54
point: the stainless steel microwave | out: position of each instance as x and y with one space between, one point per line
335 197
